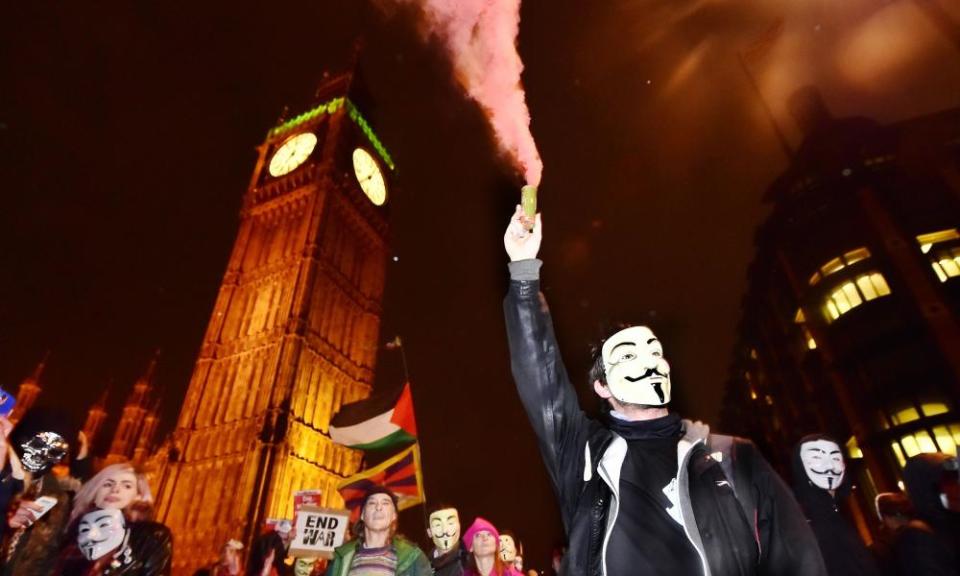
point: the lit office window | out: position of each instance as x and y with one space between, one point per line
944 438
853 448
839 263
910 413
800 318
945 262
928 240
853 293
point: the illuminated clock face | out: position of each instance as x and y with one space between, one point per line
292 153
369 176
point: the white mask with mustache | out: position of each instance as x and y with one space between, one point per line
823 463
635 368
445 529
100 532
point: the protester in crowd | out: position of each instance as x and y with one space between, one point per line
11 474
820 484
931 545
377 548
895 513
448 555
117 486
147 547
38 519
509 551
482 541
267 555
642 492
227 564
109 545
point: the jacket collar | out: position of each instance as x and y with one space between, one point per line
612 458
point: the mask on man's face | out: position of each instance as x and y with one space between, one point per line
44 450
445 529
635 369
303 566
823 462
508 549
100 532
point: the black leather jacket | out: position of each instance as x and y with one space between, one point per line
147 551
576 448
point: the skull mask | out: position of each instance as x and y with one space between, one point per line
43 451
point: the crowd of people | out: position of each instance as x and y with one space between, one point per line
641 491
66 520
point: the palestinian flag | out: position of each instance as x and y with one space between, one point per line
401 474
375 423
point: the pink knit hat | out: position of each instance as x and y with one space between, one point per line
479 525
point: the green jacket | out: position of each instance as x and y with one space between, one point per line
411 561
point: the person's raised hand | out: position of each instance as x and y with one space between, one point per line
521 243
25 515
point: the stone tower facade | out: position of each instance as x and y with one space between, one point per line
28 392
96 417
133 429
292 336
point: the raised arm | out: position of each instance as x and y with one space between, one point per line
542 382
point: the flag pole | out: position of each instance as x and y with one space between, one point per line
397 344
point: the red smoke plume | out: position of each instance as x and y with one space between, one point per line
481 39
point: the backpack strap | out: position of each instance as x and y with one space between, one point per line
737 466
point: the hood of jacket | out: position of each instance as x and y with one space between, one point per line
922 477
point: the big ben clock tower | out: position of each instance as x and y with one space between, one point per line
293 334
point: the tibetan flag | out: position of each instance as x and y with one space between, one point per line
400 474
375 423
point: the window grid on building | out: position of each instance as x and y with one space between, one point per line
853 293
946 262
839 263
940 438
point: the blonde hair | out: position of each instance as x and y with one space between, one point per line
139 509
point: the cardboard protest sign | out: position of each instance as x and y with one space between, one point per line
318 532
303 498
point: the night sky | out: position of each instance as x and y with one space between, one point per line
127 136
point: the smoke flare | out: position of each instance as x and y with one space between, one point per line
480 37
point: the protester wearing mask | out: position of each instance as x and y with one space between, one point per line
509 552
931 545
36 528
641 491
377 548
820 485
110 546
448 556
119 487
